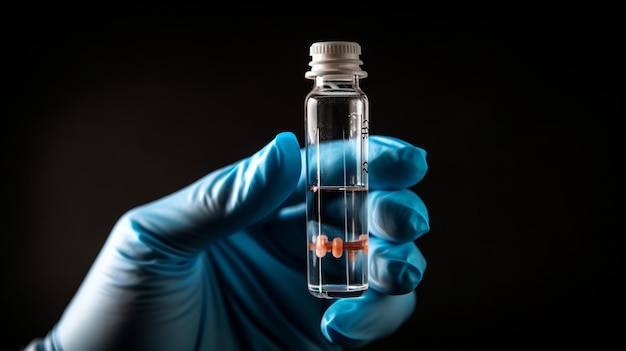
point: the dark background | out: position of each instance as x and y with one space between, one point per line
520 110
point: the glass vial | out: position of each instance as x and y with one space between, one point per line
336 144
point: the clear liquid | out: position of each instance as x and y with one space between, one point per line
337 241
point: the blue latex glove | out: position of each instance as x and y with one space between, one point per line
220 264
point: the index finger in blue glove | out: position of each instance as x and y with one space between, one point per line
393 164
222 202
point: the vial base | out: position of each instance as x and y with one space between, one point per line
337 291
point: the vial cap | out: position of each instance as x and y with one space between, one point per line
335 57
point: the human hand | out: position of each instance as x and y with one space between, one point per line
221 263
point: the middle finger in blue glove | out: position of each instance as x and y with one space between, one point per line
398 216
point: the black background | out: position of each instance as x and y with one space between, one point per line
520 110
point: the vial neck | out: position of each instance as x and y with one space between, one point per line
337 81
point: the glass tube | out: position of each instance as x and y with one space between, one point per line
337 131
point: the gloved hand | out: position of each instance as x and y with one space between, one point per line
220 264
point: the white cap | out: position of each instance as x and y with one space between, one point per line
335 57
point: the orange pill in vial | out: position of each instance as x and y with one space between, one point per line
320 246
364 238
337 247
